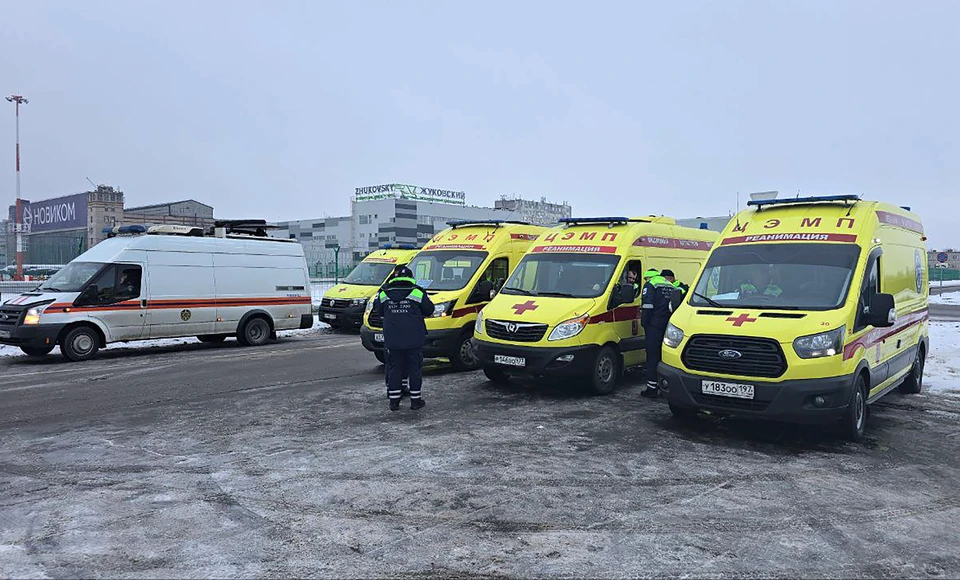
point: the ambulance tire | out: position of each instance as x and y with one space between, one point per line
464 357
212 338
495 375
606 372
255 332
854 421
36 350
682 413
380 357
80 343
913 384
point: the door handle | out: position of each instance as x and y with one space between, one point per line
898 343
143 303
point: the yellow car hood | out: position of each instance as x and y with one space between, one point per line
537 309
350 291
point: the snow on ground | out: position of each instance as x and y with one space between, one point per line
950 298
942 372
946 283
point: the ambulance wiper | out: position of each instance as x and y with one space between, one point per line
520 291
557 294
710 301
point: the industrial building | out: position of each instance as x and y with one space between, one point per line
61 228
399 214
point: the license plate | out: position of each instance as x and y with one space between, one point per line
513 361
378 337
4 334
734 390
330 316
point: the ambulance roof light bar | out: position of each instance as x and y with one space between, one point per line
761 203
398 247
124 230
491 222
594 220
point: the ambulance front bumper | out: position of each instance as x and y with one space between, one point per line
537 361
30 336
809 401
350 316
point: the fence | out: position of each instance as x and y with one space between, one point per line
10 289
945 274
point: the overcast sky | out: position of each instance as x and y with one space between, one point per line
279 109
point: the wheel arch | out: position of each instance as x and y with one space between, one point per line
97 327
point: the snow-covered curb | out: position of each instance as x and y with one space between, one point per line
950 298
318 326
942 372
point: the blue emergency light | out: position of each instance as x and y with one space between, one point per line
759 203
462 223
594 220
135 229
398 247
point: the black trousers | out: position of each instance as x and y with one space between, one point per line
386 372
401 364
654 340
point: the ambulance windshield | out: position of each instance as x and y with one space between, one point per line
369 273
797 276
72 278
564 275
446 269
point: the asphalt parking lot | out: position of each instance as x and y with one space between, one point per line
220 461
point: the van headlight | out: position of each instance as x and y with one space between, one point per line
820 345
442 309
33 315
569 328
359 302
478 325
369 307
673 336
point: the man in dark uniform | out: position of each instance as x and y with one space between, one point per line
404 305
405 385
680 289
654 317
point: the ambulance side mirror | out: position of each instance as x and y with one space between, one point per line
622 294
883 311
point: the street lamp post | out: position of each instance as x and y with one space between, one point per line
18 217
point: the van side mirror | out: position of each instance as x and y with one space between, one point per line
88 295
883 311
622 294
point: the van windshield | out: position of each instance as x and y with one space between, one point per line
446 269
778 276
369 273
72 278
565 275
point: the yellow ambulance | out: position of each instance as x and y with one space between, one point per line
461 268
343 305
808 310
568 308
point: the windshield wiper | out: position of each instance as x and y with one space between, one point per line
710 301
557 294
520 291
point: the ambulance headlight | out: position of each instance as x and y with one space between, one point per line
33 315
478 325
442 309
820 345
569 328
673 336
358 302
369 307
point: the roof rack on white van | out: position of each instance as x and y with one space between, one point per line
237 229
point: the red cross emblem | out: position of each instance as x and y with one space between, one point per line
344 289
739 320
523 307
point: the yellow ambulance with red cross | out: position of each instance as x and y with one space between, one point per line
568 309
808 310
461 268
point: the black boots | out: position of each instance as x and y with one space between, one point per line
417 404
394 404
651 392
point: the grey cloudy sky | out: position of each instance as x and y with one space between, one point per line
278 110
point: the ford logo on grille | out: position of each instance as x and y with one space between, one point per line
730 354
512 327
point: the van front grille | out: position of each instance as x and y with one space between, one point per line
742 356
375 320
515 331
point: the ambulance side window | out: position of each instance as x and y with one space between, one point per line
871 287
633 267
115 283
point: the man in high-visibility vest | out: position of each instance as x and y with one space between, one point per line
404 306
654 316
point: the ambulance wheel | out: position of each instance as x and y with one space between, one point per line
380 357
36 350
211 338
606 371
496 375
913 384
80 343
464 357
255 332
854 421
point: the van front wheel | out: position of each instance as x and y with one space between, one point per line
464 357
854 421
913 384
80 344
255 332
606 372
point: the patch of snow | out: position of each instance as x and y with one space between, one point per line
946 283
949 298
942 371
